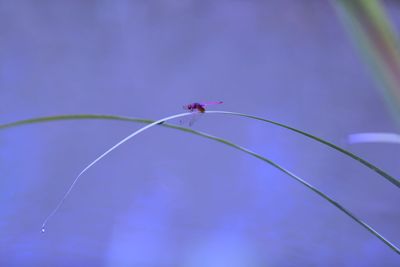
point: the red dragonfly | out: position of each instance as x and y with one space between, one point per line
198 108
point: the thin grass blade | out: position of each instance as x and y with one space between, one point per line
247 151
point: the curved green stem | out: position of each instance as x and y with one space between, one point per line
245 150
364 162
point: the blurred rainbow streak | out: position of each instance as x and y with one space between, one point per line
369 26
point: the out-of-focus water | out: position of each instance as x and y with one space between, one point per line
168 198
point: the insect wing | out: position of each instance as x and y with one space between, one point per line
204 104
190 120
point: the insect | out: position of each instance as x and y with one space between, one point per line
197 109
200 107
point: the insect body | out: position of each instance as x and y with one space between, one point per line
200 107
197 109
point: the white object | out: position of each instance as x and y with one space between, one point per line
374 138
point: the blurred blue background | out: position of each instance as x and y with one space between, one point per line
168 198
